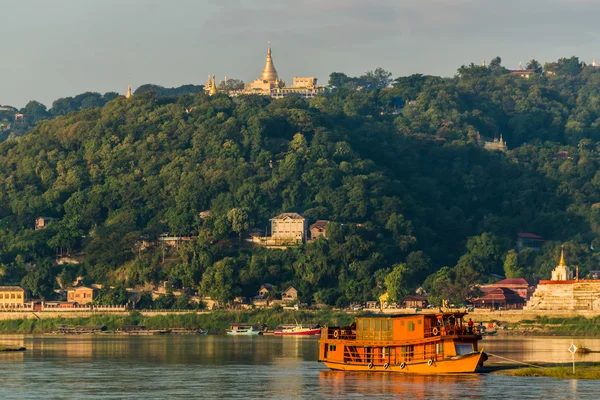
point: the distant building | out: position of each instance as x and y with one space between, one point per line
269 84
20 117
561 272
499 298
42 222
523 73
527 240
290 294
289 228
495 145
12 297
81 295
518 285
564 292
318 229
415 301
265 290
492 145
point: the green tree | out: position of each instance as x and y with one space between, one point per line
218 282
238 218
395 282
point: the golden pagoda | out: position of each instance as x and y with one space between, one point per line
128 95
562 272
213 87
269 84
269 73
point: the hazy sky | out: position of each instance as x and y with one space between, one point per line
58 48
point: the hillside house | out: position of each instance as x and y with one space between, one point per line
42 222
415 301
289 228
318 229
265 290
12 297
518 285
290 294
527 240
81 294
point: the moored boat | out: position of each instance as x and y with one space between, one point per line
438 343
245 329
297 329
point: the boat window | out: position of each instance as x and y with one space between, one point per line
439 348
332 347
390 324
372 327
360 324
411 325
378 325
420 322
463 348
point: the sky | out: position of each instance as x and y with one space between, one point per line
58 48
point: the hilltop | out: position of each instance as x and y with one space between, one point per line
412 195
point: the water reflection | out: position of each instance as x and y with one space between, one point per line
220 367
539 349
400 386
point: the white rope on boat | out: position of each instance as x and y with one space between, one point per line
510 359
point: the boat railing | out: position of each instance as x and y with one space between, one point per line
449 330
391 355
340 333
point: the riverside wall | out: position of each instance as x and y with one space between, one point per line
508 316
7 315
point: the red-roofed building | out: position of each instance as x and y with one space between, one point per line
499 298
527 240
518 285
318 229
413 302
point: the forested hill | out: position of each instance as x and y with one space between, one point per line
400 171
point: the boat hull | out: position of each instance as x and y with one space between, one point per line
246 333
298 333
455 365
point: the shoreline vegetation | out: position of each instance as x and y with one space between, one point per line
565 371
218 321
8 348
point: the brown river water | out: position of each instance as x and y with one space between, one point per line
221 367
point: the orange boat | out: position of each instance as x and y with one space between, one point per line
440 343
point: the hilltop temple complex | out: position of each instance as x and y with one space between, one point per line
269 84
565 291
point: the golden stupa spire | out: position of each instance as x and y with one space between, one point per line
269 73
128 95
561 263
213 87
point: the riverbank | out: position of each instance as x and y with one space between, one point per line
216 322
503 323
582 371
9 348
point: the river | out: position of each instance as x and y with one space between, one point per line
221 367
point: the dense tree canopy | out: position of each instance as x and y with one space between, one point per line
413 197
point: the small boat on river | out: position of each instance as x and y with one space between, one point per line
245 329
297 329
440 343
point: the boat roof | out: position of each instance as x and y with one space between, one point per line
245 324
405 315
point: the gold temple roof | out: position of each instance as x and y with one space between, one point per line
128 95
269 73
213 87
561 263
